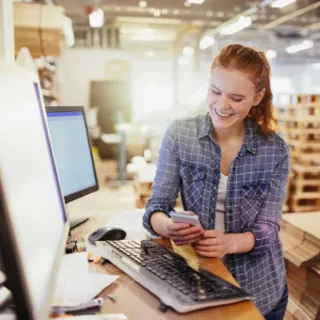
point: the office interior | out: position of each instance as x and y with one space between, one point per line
113 74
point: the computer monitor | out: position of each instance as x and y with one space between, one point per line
34 224
73 153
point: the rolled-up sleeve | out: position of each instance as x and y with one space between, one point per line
167 181
267 224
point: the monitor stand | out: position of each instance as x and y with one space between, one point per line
77 222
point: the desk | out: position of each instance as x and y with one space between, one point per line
137 303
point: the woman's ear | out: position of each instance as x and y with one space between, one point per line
258 97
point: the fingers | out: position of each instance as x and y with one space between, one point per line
183 241
212 233
209 254
187 236
187 239
190 213
207 248
183 231
209 241
176 226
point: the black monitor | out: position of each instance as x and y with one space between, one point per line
73 153
34 225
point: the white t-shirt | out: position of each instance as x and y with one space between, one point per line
220 207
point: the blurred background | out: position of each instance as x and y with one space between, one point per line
136 65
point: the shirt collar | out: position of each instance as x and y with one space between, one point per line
250 139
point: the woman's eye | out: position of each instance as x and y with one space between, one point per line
236 99
215 92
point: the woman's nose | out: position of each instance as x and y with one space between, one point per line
224 102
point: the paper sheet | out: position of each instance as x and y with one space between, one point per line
75 284
111 316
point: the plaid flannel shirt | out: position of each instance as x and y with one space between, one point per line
189 162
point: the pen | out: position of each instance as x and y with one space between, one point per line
91 304
112 297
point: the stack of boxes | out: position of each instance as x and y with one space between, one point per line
143 181
301 243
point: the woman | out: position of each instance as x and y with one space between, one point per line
232 171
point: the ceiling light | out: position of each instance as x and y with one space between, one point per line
164 11
271 54
306 44
281 3
206 42
157 13
241 23
96 18
142 4
197 1
188 51
145 35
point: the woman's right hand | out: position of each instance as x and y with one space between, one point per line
183 233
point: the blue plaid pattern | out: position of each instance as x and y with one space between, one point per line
189 162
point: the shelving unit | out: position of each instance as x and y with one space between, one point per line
299 124
46 77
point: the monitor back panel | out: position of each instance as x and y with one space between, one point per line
34 224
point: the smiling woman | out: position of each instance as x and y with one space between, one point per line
231 170
244 74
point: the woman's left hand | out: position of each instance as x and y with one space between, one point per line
214 244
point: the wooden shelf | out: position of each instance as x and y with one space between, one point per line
39 28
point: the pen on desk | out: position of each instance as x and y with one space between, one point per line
91 304
112 297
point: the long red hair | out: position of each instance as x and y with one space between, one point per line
254 63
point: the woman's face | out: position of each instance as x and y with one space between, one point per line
230 97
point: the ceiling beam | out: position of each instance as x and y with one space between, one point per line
291 16
254 9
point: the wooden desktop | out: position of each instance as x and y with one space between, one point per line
138 303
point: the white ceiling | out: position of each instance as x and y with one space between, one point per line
182 24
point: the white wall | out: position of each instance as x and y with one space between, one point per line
75 69
152 82
152 87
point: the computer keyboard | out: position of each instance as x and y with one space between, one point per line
168 275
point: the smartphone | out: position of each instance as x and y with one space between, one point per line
184 218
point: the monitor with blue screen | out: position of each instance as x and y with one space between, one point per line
73 154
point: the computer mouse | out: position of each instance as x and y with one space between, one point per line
107 233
